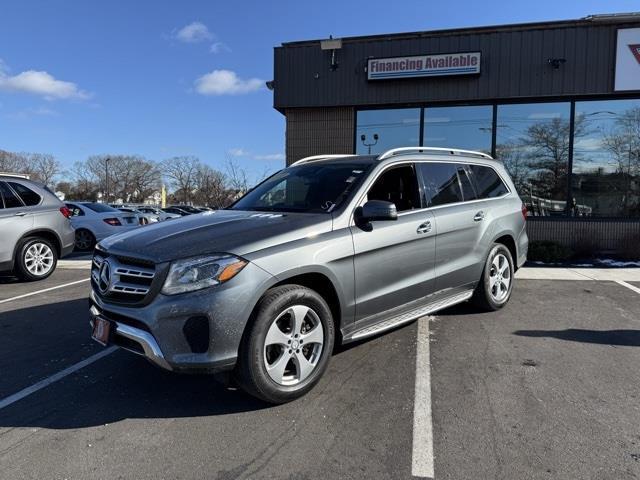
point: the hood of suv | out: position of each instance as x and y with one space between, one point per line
222 231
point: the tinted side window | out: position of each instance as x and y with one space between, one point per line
488 183
11 200
29 197
441 183
398 185
468 190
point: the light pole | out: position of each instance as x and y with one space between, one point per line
106 180
363 138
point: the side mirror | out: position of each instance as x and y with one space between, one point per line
376 210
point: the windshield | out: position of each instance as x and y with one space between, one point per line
100 207
309 188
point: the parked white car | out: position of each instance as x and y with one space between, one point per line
161 214
96 221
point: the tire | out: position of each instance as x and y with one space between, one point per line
85 240
274 363
36 259
494 288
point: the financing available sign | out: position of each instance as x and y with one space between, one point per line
628 59
424 66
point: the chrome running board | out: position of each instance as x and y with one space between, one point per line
407 317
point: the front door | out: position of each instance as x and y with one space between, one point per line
394 261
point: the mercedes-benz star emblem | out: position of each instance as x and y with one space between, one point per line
104 277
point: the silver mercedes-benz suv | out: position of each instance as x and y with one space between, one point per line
332 249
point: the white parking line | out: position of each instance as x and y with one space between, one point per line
422 456
43 291
5 402
628 285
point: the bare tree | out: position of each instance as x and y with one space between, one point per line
237 178
211 187
181 172
43 167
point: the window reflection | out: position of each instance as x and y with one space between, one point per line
386 129
533 142
467 127
606 161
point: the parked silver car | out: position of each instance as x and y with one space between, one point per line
34 228
330 249
95 221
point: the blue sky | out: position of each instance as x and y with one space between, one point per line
161 78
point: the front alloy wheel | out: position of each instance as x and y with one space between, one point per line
287 344
293 345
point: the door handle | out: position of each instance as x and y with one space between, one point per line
479 216
20 214
424 227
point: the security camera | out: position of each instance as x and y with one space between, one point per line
270 84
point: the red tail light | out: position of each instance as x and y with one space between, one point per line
114 222
524 211
66 212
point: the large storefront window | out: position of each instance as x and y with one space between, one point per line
380 130
533 142
606 159
467 127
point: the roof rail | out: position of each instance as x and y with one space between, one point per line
432 150
319 157
17 175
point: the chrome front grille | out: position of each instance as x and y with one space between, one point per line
121 278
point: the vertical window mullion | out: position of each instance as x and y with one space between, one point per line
421 141
494 130
572 123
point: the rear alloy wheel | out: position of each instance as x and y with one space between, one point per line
287 348
84 240
36 259
495 286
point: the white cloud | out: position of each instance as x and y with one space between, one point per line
226 82
40 83
241 152
237 152
195 32
270 157
219 47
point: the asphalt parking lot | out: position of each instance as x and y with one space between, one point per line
546 388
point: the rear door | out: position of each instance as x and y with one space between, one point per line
394 260
460 216
15 221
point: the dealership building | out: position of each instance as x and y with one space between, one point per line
557 102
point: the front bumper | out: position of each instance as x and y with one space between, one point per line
191 332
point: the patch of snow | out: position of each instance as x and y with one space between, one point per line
609 262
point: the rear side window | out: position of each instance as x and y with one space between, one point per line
441 183
468 190
100 207
11 200
28 196
487 182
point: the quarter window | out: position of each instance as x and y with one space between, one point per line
29 197
488 183
11 200
441 183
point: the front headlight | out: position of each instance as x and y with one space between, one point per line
201 272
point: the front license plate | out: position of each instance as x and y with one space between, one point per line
101 330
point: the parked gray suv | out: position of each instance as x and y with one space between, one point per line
34 228
329 250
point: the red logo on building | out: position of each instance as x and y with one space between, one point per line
635 49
